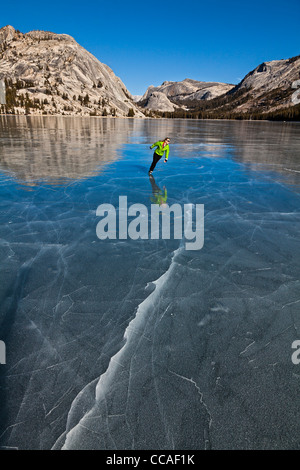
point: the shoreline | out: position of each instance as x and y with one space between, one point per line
145 117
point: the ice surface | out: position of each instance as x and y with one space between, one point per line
140 344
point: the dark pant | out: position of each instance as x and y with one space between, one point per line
156 159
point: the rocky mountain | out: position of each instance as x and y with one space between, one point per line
158 101
136 97
269 87
270 90
48 73
174 95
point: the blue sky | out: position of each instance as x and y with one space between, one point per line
148 43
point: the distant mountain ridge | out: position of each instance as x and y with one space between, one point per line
269 88
173 95
49 73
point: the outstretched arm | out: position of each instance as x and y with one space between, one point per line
167 155
154 145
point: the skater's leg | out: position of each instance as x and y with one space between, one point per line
156 159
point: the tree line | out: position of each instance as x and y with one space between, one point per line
225 107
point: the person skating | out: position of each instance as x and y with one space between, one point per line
162 147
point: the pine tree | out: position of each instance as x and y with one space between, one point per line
86 100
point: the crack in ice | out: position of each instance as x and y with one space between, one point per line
206 438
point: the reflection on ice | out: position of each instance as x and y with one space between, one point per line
158 196
58 149
141 344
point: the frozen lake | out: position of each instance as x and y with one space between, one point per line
142 344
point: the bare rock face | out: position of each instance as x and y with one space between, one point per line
136 98
180 94
7 34
270 86
48 73
2 92
273 74
158 101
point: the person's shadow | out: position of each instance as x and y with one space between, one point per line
158 196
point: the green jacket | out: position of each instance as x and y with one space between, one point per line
160 150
